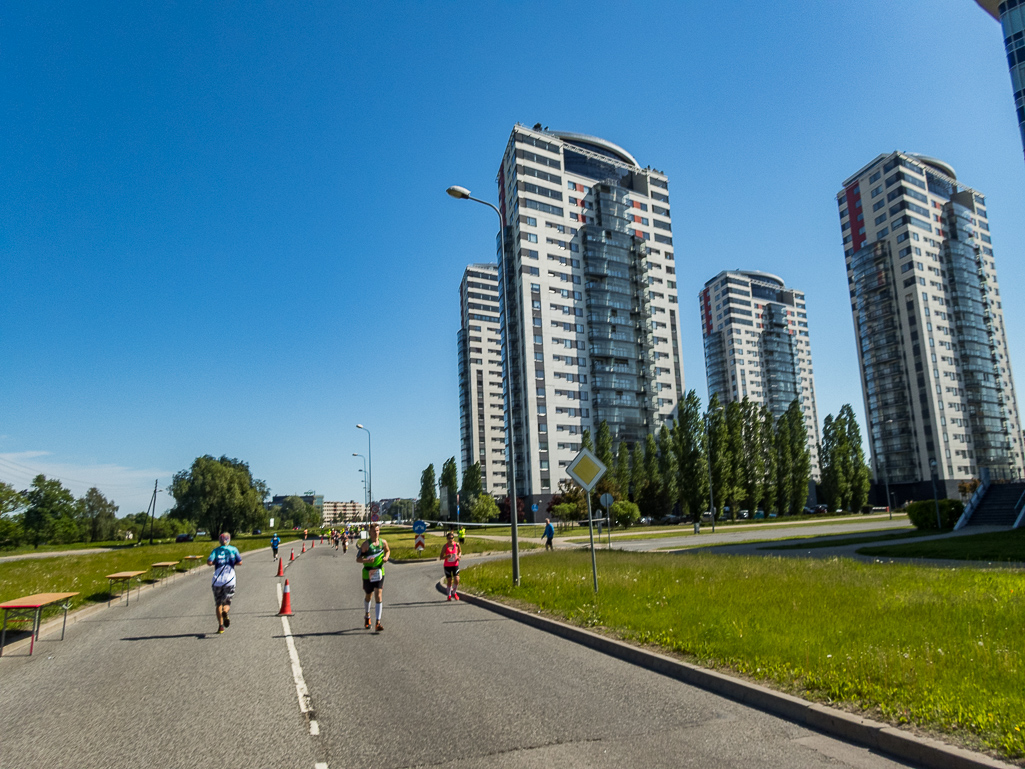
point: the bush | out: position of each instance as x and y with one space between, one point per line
625 513
923 513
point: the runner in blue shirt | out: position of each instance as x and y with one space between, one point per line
224 559
275 543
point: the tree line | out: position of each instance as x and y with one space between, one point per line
473 502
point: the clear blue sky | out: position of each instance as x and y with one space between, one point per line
224 228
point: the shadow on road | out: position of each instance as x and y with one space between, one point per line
197 636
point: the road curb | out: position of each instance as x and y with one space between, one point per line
900 744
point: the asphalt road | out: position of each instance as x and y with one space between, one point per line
445 684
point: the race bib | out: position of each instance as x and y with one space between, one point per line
376 575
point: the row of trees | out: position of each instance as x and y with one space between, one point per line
47 512
471 499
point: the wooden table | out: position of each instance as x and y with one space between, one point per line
164 567
32 606
192 558
125 578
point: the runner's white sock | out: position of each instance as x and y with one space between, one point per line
366 607
377 611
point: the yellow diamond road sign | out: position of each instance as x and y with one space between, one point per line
586 469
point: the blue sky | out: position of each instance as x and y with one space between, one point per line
224 228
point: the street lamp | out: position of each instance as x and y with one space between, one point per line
935 499
369 475
461 193
364 471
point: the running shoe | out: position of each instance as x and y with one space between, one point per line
220 629
456 596
449 597
379 628
366 621
227 622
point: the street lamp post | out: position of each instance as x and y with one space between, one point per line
364 471
461 193
935 499
370 474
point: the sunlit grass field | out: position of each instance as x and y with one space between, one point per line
997 546
938 648
402 549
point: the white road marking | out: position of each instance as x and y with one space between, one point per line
320 765
297 671
314 727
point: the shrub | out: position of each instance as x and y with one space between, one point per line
625 513
923 513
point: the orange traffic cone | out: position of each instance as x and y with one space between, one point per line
281 567
304 548
291 555
286 601
322 539
313 543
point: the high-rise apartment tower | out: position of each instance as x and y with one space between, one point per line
1011 15
591 274
757 347
481 403
929 325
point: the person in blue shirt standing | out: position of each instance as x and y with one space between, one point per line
224 559
549 534
275 543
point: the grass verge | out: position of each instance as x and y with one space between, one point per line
997 546
845 541
937 648
402 549
87 574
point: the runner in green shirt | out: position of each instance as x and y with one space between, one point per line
373 554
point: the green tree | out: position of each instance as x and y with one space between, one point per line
472 486
649 498
585 440
625 513
46 503
484 509
736 490
218 495
11 502
793 459
427 506
603 450
860 474
100 516
295 511
638 476
845 474
719 453
768 446
692 466
753 456
623 469
668 472
449 482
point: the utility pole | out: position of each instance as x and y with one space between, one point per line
153 505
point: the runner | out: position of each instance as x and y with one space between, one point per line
345 542
451 552
336 537
549 534
275 543
305 533
224 559
462 535
373 554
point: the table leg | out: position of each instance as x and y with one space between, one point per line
65 625
35 631
3 633
110 592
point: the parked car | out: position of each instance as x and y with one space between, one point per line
646 521
670 520
183 538
257 531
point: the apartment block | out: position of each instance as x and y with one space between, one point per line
755 333
929 325
1011 15
339 513
481 401
591 271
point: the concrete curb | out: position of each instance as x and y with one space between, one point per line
836 723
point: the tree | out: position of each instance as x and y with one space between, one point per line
427 506
569 493
649 499
295 511
753 457
603 450
638 476
585 440
845 475
668 470
860 475
449 482
736 491
484 509
99 515
692 466
622 469
625 513
219 495
719 453
768 446
472 486
793 469
46 504
11 532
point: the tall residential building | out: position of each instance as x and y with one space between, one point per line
591 275
481 402
757 347
1011 15
929 324
344 512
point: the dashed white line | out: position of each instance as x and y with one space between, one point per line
314 727
302 692
320 765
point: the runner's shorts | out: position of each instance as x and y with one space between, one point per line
451 571
369 586
223 594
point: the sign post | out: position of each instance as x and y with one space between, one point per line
586 469
606 501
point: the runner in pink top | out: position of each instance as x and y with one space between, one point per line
451 552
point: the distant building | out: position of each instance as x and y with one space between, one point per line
1011 15
757 346
336 513
317 500
929 326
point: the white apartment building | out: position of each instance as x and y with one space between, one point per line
336 513
481 402
593 326
929 324
755 333
1011 15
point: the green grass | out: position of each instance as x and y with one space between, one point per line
25 549
998 546
401 545
86 574
844 541
937 648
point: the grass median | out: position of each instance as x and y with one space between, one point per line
996 547
402 549
87 574
937 648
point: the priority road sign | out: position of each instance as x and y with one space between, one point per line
586 469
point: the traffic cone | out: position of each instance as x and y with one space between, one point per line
322 539
281 567
313 543
291 555
304 548
286 601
